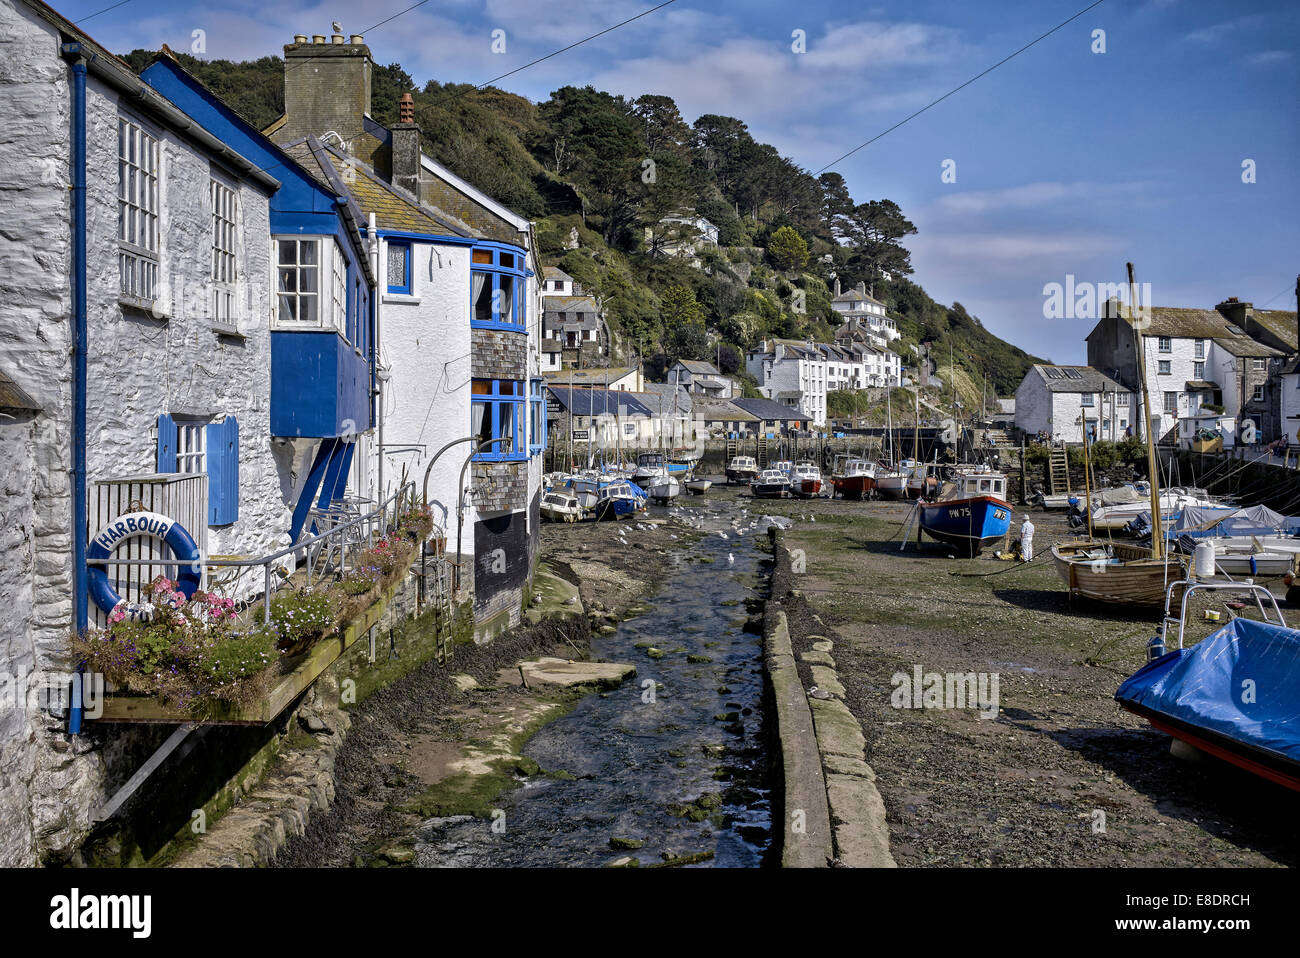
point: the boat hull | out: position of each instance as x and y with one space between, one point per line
769 490
853 487
741 476
892 487
698 487
1193 695
1135 579
807 488
969 524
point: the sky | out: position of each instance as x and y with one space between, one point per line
1084 152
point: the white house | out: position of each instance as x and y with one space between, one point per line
701 377
556 282
160 376
1055 400
864 316
682 234
792 373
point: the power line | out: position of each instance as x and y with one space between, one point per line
105 10
962 87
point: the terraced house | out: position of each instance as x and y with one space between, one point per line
457 319
148 370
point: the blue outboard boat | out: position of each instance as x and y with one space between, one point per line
970 513
1234 695
617 500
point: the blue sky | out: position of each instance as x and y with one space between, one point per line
1067 161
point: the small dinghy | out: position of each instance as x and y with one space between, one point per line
698 487
1196 694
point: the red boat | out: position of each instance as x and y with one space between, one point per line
854 478
805 480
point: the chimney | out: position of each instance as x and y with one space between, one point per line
326 87
406 147
837 286
1234 311
861 287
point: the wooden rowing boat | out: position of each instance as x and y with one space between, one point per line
1116 572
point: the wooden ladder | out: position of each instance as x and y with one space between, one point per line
762 452
1058 471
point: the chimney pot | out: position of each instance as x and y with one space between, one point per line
358 39
318 38
406 108
300 38
337 37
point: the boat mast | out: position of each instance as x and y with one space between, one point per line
1153 467
1087 471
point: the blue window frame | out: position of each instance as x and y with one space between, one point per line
498 285
537 417
399 267
497 412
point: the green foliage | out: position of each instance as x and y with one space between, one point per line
788 249
301 616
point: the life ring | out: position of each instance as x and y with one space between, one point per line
124 527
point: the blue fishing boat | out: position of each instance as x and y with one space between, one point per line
1200 695
617 500
970 512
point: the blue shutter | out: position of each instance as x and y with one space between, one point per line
222 441
166 443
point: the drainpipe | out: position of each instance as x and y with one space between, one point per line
73 53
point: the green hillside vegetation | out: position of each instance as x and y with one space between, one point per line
613 168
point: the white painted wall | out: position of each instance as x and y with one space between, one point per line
425 344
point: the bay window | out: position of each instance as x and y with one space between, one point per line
497 288
497 412
304 301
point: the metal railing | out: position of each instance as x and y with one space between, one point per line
349 530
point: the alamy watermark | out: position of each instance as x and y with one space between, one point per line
1085 300
946 690
53 692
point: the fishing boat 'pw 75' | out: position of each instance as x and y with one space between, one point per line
971 512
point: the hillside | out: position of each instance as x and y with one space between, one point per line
612 168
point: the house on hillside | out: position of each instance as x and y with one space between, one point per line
701 377
775 418
865 318
1197 360
616 378
1055 401
556 282
791 372
682 234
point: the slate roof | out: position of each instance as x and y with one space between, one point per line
771 409
1076 379
394 207
555 273
698 367
587 378
1280 323
853 296
599 402
713 409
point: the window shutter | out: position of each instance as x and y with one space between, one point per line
223 471
166 443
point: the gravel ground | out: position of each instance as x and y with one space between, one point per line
1034 786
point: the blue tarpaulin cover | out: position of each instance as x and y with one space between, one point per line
1242 682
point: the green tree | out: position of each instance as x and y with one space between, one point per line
788 249
683 322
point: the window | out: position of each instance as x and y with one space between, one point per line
399 268
192 446
299 281
339 296
1166 344
1258 363
1258 394
137 210
537 417
1121 399
1085 399
1171 403
1198 370
1199 348
496 412
497 288
1164 367
223 253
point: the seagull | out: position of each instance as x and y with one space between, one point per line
817 693
731 559
812 518
338 27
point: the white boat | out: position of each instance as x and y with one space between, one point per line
805 480
1114 518
770 484
561 505
892 484
663 488
742 469
698 487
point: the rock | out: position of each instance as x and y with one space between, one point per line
627 861
314 724
698 659
626 844
465 682
398 854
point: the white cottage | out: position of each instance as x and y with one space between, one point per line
1055 401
